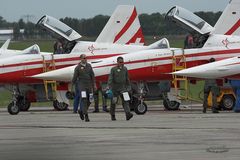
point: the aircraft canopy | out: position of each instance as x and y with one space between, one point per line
54 25
188 20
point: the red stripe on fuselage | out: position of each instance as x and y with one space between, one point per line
127 25
170 57
236 63
110 55
61 60
23 76
209 53
234 28
20 76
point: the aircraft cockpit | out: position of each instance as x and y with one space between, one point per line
34 49
190 22
61 31
161 44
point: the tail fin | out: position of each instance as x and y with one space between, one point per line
6 44
229 22
123 27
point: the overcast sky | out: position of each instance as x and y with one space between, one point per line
13 10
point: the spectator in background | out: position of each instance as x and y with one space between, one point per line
96 101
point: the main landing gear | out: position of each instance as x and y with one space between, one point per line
60 106
19 102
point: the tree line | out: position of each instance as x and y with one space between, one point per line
152 24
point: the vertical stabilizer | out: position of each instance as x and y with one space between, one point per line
123 27
229 21
6 44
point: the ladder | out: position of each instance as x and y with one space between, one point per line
49 65
180 83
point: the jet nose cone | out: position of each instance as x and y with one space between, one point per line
64 74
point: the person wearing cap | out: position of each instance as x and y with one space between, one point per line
85 79
119 83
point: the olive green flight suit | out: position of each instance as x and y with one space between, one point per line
84 77
119 82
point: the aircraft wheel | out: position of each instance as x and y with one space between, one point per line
132 103
140 108
70 95
24 105
172 106
13 109
227 102
60 106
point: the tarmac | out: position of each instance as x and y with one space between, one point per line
187 134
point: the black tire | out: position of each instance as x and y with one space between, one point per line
60 106
132 103
70 95
140 108
24 105
173 105
227 102
13 110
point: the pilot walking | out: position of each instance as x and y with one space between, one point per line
84 77
119 83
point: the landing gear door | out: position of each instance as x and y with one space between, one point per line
58 28
188 20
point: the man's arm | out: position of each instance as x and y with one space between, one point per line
128 83
110 79
92 77
75 75
127 78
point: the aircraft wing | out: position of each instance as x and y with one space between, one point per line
219 69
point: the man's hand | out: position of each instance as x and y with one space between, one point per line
95 87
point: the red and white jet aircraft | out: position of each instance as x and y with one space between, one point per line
122 34
226 68
156 64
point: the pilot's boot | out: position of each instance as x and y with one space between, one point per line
81 114
129 116
204 110
105 109
86 118
113 118
214 110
